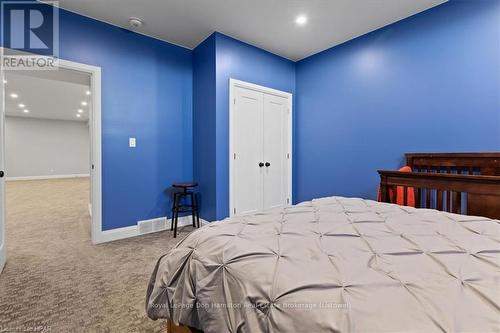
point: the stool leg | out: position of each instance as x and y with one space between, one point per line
193 209
196 208
175 223
176 217
173 211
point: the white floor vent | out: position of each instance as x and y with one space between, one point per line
153 225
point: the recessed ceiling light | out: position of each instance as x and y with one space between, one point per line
87 92
80 111
21 105
301 20
84 103
26 111
14 95
78 115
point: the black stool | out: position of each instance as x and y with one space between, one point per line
179 207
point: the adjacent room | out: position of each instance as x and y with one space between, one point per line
250 166
47 154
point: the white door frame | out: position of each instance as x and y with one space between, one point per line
96 144
3 245
233 84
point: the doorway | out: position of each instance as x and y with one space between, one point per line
38 109
260 148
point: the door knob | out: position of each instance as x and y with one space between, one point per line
261 164
2 174
268 164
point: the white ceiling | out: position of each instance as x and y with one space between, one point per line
48 94
268 24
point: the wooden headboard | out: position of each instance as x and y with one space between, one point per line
464 183
486 164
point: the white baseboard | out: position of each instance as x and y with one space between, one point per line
185 221
116 234
132 231
82 175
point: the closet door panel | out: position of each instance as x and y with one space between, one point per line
275 151
248 147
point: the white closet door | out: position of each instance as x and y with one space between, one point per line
248 145
275 151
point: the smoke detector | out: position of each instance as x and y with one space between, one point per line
135 22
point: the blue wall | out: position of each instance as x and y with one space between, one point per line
427 83
147 94
241 61
216 60
204 127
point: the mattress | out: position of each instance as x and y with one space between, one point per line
334 265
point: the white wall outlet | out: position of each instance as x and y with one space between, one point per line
132 142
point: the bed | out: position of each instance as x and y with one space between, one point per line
333 265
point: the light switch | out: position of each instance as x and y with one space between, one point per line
132 142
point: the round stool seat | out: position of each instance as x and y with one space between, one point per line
185 186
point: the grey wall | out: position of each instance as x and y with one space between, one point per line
39 147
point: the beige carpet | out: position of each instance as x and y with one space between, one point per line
56 278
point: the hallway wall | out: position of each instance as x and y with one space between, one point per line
42 147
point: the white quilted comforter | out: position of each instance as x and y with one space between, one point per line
334 265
